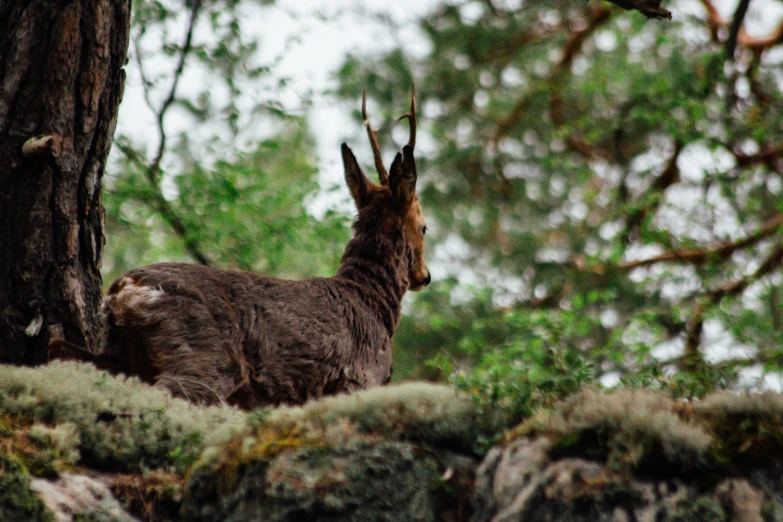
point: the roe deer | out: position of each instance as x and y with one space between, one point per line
211 335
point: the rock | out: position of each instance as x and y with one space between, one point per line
76 444
744 499
79 496
391 481
639 456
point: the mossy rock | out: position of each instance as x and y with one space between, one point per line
17 500
648 433
109 423
394 481
378 454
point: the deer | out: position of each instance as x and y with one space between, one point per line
216 336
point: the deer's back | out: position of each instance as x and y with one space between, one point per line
215 335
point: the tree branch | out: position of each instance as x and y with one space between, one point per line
736 23
692 357
146 83
669 176
161 205
154 168
698 256
754 43
763 156
649 8
734 288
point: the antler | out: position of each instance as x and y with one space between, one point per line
383 176
411 115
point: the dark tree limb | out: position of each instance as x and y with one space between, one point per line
667 178
698 256
154 169
757 44
736 24
734 288
649 8
765 155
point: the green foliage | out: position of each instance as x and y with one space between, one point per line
249 214
692 385
511 360
228 173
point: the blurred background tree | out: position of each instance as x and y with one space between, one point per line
603 191
227 178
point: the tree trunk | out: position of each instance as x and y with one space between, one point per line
61 80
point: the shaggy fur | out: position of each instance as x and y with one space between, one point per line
212 335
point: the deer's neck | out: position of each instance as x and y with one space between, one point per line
379 266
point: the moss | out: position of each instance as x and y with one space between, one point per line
17 500
700 509
31 445
769 510
645 432
117 424
6 426
152 497
416 412
356 482
635 430
270 441
420 412
323 432
747 429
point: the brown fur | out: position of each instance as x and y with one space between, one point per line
212 335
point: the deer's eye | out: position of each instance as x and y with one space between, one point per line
423 230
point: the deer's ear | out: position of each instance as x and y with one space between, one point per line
357 182
402 178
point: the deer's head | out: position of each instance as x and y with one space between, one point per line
390 209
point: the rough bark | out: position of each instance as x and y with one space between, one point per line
61 79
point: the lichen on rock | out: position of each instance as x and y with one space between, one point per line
639 455
76 442
390 481
393 453
119 424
